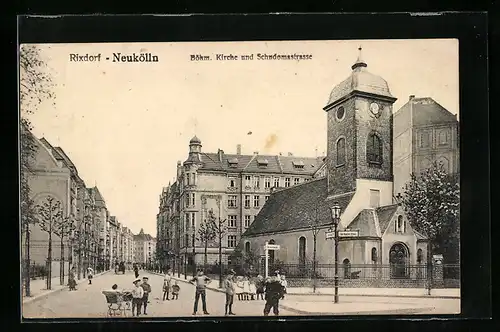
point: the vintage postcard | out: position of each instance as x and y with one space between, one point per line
209 179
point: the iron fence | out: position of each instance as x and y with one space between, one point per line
364 275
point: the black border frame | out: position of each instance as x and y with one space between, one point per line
470 28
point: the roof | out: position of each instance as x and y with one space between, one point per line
368 225
195 140
296 207
362 81
426 111
259 163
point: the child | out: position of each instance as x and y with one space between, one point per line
246 288
147 290
260 287
284 283
175 291
238 289
253 289
167 284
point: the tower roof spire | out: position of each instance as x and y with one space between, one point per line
359 62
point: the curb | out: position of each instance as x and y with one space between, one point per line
384 295
31 299
357 313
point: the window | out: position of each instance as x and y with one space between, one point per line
266 197
425 139
232 182
186 240
267 183
231 201
186 221
374 149
287 182
443 137
374 255
302 250
276 182
341 151
419 256
247 221
247 201
248 180
193 199
374 198
340 113
247 247
256 182
187 200
400 225
296 181
193 218
231 221
256 201
231 241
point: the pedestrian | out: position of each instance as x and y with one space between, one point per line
116 267
200 280
175 291
136 270
238 287
167 284
147 289
72 279
252 288
137 295
229 286
274 291
260 287
90 274
246 288
284 283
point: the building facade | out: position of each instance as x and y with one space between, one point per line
145 248
359 178
233 186
424 133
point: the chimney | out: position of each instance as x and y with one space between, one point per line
256 152
238 149
281 154
220 153
411 97
290 154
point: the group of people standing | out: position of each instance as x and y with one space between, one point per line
72 277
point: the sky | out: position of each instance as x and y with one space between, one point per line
125 125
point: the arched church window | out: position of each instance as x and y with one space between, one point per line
374 255
340 151
302 250
247 247
419 256
400 227
374 149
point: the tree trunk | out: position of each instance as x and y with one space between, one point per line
49 260
314 264
220 257
205 259
61 265
27 281
429 267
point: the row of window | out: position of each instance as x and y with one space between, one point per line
254 181
373 150
233 199
232 240
443 138
232 221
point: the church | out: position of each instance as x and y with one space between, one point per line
359 178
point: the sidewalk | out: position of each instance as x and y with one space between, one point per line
446 293
38 287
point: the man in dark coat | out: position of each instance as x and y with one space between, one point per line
273 293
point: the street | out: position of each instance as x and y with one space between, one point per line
89 302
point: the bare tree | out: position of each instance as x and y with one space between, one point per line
315 228
63 228
219 225
36 85
49 212
207 232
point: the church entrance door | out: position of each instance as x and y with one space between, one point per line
398 258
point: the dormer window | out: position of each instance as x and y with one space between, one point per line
233 162
400 225
262 162
298 164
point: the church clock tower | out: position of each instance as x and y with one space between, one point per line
360 129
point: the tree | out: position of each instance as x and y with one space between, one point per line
49 212
63 228
314 223
431 201
207 232
35 86
220 228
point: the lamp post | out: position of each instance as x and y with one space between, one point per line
194 251
335 209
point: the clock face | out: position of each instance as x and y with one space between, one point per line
374 108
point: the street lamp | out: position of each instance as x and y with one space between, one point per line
335 209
